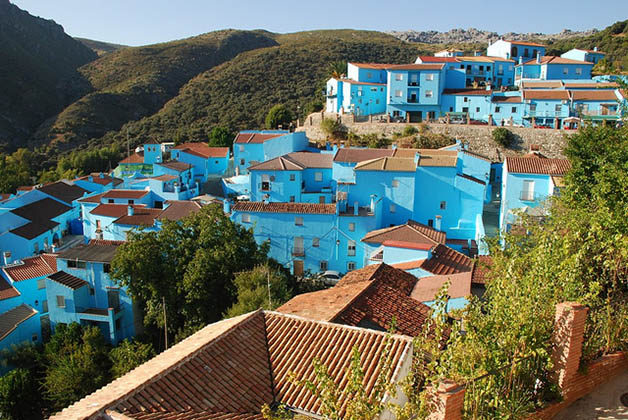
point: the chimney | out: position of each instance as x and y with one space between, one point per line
594 48
373 203
6 255
130 210
226 206
90 178
355 208
101 175
538 57
520 60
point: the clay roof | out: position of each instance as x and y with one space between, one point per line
435 66
163 178
124 194
375 66
446 261
323 305
537 165
94 251
142 216
592 85
545 84
531 44
68 280
554 95
257 138
411 232
440 158
92 198
389 164
296 161
594 95
507 99
234 366
550 59
104 180
10 320
354 155
176 165
432 59
177 210
6 290
477 155
113 210
391 276
63 192
203 150
427 288
467 92
481 267
134 158
297 208
33 267
483 59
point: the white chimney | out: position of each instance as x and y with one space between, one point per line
538 57
130 210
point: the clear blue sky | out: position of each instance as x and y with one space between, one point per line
139 22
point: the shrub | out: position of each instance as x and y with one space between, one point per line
409 130
331 127
313 106
279 115
503 136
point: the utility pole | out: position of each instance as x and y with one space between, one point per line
163 300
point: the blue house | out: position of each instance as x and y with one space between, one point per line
475 103
81 291
597 105
515 50
546 108
592 56
18 325
353 97
205 160
414 91
553 68
302 177
345 160
526 183
253 147
507 108
97 182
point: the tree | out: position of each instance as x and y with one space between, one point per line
220 136
253 290
503 136
128 355
337 69
18 391
190 264
331 126
279 115
313 106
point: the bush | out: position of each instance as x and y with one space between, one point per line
331 127
279 115
220 137
503 136
374 141
18 393
313 106
409 130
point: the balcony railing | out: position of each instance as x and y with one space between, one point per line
527 196
298 251
544 114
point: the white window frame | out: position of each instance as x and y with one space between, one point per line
323 265
394 183
246 218
351 227
41 284
393 208
398 93
399 77
351 265
292 177
429 77
579 71
443 205
318 176
298 221
241 148
429 93
351 248
316 242
565 70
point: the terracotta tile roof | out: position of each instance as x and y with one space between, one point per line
124 194
591 85
164 178
383 273
92 198
388 164
594 95
134 158
432 59
203 150
296 161
507 99
443 158
10 320
467 92
177 210
97 250
258 138
176 165
554 95
374 66
6 290
26 188
435 66
445 261
229 369
64 192
297 208
537 165
558 180
101 179
190 415
481 267
546 84
32 267
550 59
354 155
411 232
484 59
409 265
531 44
68 280
427 288
142 216
113 210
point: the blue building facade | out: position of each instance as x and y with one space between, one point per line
206 160
414 91
253 147
592 56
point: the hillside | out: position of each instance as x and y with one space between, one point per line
99 47
240 92
36 59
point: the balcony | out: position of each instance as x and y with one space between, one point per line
547 114
413 83
298 251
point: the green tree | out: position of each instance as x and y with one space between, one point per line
18 395
331 127
337 69
189 264
279 115
313 106
221 136
128 355
255 287
502 136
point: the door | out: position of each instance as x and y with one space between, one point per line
321 199
113 299
416 116
298 267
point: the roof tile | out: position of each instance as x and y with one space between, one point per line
297 208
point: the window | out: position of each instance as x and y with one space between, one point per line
113 299
443 205
398 76
318 176
498 109
398 93
241 161
36 248
500 69
131 201
481 68
393 208
60 302
351 227
298 221
246 218
292 199
106 267
110 201
77 264
558 108
91 291
477 109
527 192
430 223
565 70
350 266
526 52
510 68
579 71
465 99
429 77
241 148
34 337
351 248
488 68
323 265
315 242
118 324
429 94
395 183
44 306
293 177
513 110
377 101
369 74
41 284
532 107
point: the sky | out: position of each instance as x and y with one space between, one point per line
141 22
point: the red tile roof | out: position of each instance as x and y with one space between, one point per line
176 165
481 267
355 82
68 280
427 288
134 158
124 194
177 210
531 44
6 290
554 95
411 232
550 59
537 165
141 216
353 155
234 366
296 161
434 66
33 267
297 208
257 138
91 199
374 66
546 84
432 59
100 179
594 95
113 210
399 279
445 261
592 85
203 150
507 99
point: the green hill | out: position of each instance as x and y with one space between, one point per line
99 47
36 60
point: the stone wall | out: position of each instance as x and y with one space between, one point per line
552 142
